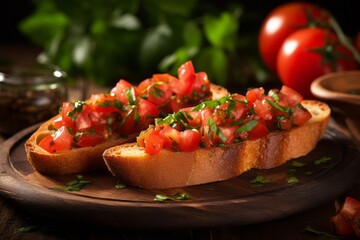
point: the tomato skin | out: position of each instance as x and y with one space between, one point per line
121 91
189 140
61 140
346 220
298 63
154 143
283 21
89 139
259 131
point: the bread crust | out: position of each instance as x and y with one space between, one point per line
78 160
178 169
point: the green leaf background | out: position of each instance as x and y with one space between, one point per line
104 41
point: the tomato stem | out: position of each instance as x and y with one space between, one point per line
343 39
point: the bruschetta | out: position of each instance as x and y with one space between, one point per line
73 141
220 139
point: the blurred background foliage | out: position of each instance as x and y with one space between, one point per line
104 41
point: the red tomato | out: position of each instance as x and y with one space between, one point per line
83 121
126 92
300 58
154 143
290 96
260 130
104 103
61 140
147 112
283 21
159 93
189 140
89 139
346 220
254 94
58 123
301 116
186 74
263 109
171 137
65 109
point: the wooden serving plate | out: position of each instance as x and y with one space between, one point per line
232 202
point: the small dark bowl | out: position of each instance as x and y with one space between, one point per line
341 90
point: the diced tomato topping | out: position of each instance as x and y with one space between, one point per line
159 93
61 140
189 140
186 73
263 109
88 139
260 130
58 123
346 221
290 96
228 120
171 137
126 92
254 94
301 115
65 110
127 109
154 143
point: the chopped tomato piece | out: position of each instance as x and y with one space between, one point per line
301 115
346 221
61 140
260 130
186 74
159 93
189 140
126 92
58 123
290 96
88 139
254 94
171 137
263 109
154 143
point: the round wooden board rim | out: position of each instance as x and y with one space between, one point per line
227 210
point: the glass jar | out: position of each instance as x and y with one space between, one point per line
29 96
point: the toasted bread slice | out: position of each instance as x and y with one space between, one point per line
78 160
170 169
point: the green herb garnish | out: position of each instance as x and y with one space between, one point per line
120 186
78 105
27 229
298 164
322 160
174 197
320 233
279 107
76 185
259 181
247 127
292 180
214 128
130 94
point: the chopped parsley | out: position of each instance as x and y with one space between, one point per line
76 185
259 181
174 197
